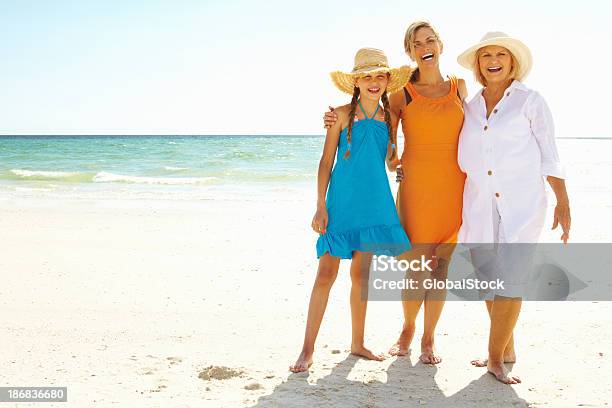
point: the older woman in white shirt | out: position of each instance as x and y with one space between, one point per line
506 148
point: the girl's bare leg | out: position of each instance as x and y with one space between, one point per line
360 269
326 275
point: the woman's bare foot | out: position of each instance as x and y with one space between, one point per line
400 348
428 355
509 357
361 351
303 362
502 374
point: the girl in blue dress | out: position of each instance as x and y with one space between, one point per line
356 217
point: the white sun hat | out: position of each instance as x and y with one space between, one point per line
518 49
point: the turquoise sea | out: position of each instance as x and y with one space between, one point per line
207 167
194 167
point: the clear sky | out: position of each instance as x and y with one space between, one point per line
262 67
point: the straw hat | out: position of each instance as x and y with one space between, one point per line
517 48
369 61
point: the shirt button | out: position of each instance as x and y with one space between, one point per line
486 127
494 110
497 195
490 173
508 94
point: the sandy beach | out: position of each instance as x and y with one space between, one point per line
138 303
158 181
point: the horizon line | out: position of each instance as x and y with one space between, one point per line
219 135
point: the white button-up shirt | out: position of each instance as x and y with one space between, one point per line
506 158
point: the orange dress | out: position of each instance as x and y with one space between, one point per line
429 199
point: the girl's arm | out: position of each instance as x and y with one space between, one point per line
397 102
319 222
392 160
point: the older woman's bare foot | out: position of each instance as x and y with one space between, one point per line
400 348
428 355
361 351
499 370
303 362
509 357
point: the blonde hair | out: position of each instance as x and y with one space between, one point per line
409 37
411 31
478 74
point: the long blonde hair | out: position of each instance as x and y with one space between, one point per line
409 37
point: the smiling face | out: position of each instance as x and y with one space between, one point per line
424 47
495 64
372 86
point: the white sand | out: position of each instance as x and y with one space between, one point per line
126 303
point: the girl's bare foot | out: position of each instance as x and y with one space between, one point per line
509 357
428 355
502 374
400 348
303 362
360 350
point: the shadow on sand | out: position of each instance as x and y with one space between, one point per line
407 385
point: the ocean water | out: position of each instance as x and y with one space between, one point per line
173 167
208 167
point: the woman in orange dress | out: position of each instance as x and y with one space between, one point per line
429 198
430 194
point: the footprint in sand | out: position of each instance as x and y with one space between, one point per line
253 386
159 388
174 360
149 370
160 385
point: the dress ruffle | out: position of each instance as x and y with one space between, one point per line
390 240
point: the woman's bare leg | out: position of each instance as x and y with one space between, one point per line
411 310
509 352
326 275
434 303
504 315
411 303
360 269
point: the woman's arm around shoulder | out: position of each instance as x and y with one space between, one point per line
463 92
397 101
